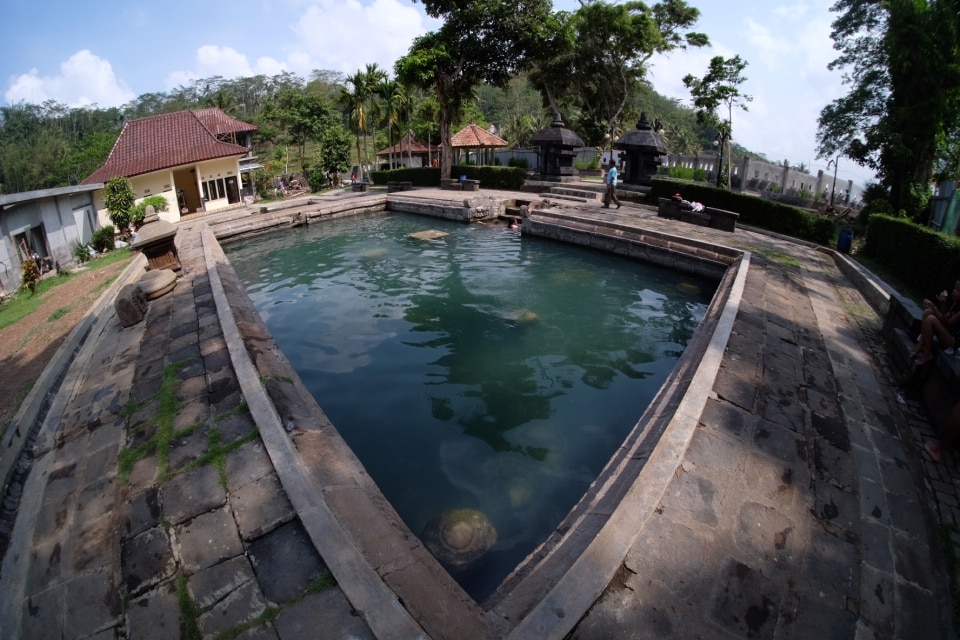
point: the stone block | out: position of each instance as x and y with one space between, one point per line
325 610
212 585
130 305
146 560
208 539
192 493
155 616
260 507
286 562
243 605
92 603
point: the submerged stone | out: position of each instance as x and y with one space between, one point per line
458 538
429 234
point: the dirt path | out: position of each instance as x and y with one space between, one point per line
28 345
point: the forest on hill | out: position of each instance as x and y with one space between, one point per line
53 145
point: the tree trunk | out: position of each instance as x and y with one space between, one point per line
446 144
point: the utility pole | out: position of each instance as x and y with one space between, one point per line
833 188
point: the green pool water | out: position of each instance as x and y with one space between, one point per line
480 370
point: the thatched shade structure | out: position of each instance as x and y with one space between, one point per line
557 146
411 147
644 150
474 137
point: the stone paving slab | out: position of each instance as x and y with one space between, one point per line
803 506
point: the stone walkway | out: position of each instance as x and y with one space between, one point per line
803 507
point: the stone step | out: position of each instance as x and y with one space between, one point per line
552 195
585 194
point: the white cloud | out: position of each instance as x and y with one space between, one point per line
770 45
84 80
332 33
327 34
213 60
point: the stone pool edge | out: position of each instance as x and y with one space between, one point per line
381 567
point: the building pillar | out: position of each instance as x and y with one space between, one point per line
744 172
818 191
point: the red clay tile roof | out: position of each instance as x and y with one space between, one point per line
410 143
473 137
220 123
164 141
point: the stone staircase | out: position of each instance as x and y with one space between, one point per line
572 194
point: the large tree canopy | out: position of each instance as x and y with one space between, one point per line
597 56
719 87
901 60
479 41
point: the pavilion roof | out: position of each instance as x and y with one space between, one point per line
409 144
474 137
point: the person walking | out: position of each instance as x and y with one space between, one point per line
611 193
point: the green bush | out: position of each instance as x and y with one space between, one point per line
81 252
139 210
119 198
523 163
29 275
103 239
418 176
509 178
593 164
921 258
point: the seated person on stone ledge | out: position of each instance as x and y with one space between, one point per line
938 327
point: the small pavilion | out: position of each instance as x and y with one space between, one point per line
557 149
411 152
644 150
472 137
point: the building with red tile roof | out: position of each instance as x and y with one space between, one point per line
411 152
476 137
192 158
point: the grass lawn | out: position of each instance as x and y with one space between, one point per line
23 303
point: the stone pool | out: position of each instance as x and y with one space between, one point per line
480 370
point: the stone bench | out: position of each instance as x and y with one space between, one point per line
399 186
452 184
361 186
719 219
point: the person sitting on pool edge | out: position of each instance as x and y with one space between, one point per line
942 325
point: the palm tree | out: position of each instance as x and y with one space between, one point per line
223 100
394 100
355 103
373 77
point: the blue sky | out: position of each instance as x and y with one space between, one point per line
108 52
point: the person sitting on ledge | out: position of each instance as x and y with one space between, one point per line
944 326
